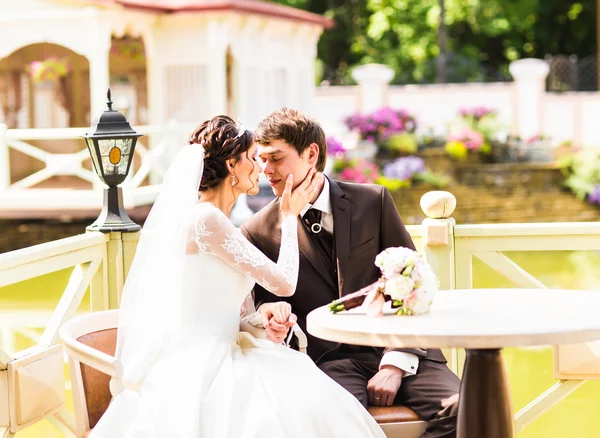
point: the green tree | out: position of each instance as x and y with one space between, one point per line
483 36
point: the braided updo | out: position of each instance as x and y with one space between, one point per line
222 140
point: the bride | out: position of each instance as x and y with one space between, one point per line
187 370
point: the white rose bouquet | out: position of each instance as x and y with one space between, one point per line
406 280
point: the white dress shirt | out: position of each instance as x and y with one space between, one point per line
407 362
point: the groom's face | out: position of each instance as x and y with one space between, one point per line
279 159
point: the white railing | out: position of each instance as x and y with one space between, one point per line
153 154
450 249
488 244
32 381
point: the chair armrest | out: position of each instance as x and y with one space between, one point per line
261 333
301 337
90 356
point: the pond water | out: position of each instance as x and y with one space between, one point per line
529 369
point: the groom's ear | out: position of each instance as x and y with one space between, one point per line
312 152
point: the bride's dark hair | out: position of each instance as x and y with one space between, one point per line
222 140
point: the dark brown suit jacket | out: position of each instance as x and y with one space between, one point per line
365 223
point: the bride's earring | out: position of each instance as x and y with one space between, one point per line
233 180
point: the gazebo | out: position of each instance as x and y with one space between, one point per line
191 58
167 62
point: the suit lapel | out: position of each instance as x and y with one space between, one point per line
341 226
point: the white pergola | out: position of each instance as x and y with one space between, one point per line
243 58
270 50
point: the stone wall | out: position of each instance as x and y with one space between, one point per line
496 193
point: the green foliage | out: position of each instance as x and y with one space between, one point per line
483 36
582 171
404 142
393 184
434 179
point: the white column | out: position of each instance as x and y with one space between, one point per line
4 159
373 80
99 84
99 80
155 99
154 81
98 57
240 81
292 64
217 72
310 54
530 83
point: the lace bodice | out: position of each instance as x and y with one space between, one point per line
215 234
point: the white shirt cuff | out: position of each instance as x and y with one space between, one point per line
407 362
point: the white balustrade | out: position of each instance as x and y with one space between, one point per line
141 185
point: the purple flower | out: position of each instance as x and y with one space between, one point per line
334 147
594 197
404 168
381 124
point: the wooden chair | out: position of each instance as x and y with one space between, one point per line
90 341
398 421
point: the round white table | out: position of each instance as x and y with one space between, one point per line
482 321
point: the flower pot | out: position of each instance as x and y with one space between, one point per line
541 151
364 149
500 153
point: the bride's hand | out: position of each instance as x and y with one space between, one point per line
292 202
277 318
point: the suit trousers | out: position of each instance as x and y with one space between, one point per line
425 392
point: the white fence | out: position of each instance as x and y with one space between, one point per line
32 195
524 107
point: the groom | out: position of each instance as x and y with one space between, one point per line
339 235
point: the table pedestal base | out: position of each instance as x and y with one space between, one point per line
484 409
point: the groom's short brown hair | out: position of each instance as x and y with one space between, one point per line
296 129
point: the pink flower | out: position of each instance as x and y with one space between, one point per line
477 112
472 139
360 171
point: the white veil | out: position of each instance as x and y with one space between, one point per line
151 303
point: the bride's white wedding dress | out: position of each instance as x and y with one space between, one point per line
212 381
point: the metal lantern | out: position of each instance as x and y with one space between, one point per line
111 145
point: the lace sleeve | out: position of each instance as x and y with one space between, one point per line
249 314
215 234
